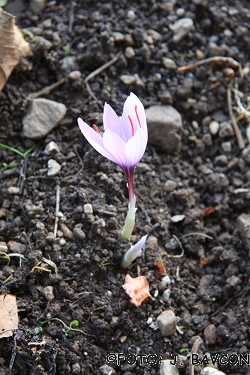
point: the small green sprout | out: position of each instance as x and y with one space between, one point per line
66 49
22 154
66 329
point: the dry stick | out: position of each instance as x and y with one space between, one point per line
102 68
195 347
45 91
98 71
57 208
218 59
13 356
237 132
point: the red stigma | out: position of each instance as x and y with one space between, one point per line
96 128
133 130
138 118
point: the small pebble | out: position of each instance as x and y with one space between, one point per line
88 209
128 79
210 334
214 127
180 12
221 160
53 168
166 295
226 147
167 322
226 130
66 231
51 148
166 279
107 370
170 186
129 52
49 293
3 247
79 234
177 218
207 140
13 190
168 63
75 75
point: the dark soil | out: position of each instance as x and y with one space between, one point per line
209 283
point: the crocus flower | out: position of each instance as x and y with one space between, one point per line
133 253
124 142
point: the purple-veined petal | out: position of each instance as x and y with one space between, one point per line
135 148
116 147
95 139
134 116
112 122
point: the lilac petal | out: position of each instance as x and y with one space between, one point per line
112 122
95 139
135 148
116 147
133 111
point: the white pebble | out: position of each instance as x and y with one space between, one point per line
51 148
214 127
166 295
53 168
88 209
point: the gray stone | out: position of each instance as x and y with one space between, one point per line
79 234
166 323
167 368
37 6
246 154
168 63
128 79
243 223
181 28
226 147
169 186
43 115
164 127
226 130
129 52
210 334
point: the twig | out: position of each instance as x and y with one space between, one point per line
92 95
196 234
237 132
45 91
71 17
219 59
13 355
102 68
80 170
195 348
57 208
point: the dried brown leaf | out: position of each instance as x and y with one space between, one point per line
8 315
12 46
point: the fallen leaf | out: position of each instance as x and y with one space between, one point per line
13 46
8 315
208 211
161 267
204 261
137 288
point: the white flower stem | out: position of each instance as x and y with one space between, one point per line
130 221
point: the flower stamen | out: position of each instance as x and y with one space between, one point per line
132 126
138 118
96 129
